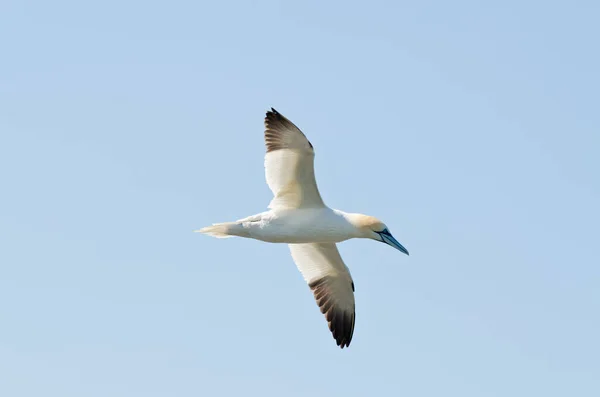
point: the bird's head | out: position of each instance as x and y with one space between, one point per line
373 228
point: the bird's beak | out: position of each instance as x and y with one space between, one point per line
390 240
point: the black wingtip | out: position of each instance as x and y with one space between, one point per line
273 114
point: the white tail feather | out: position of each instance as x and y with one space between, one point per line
218 230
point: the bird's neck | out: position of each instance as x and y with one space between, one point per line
354 221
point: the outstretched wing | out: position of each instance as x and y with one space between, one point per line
289 165
331 283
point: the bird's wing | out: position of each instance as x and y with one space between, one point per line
331 283
289 165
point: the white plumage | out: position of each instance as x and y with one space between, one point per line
299 217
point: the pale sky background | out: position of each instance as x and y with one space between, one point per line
472 130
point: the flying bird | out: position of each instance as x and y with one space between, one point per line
299 217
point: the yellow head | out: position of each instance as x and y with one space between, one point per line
371 227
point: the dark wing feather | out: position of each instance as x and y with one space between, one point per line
280 133
339 318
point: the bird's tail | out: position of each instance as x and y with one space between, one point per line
220 230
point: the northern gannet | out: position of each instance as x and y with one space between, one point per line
299 217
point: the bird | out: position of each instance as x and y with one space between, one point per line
297 216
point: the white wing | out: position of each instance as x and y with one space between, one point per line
328 277
289 165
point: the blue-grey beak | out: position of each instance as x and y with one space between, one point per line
387 238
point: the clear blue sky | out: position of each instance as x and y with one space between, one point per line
472 130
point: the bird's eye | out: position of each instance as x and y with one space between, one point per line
385 231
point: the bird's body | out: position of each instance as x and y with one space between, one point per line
299 217
292 226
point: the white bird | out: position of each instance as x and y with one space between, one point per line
299 217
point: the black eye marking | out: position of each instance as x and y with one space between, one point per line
384 232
